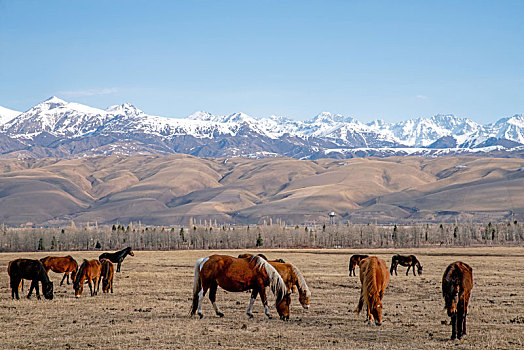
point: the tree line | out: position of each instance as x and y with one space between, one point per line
265 236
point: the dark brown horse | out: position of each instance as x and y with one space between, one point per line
235 275
29 269
90 270
108 271
410 261
61 264
374 278
293 279
457 283
117 257
354 261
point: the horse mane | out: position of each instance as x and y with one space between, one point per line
278 287
370 283
301 282
80 272
43 274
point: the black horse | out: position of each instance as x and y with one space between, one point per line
117 257
29 269
410 261
354 261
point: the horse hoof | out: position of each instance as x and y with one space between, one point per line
200 315
250 315
453 337
220 314
269 317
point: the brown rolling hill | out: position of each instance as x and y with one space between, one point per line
171 189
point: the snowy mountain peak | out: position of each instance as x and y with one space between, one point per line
124 108
7 114
201 115
331 118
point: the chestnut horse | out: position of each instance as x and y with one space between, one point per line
61 264
354 261
108 271
293 279
410 261
90 270
117 257
374 277
457 283
29 269
235 275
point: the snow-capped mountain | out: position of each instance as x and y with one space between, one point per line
7 115
66 129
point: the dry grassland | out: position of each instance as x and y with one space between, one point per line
149 309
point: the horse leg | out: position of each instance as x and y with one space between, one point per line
464 331
63 278
460 322
201 295
454 326
37 289
263 297
118 265
212 298
15 284
413 267
409 266
90 286
249 310
31 289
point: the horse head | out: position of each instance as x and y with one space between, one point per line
303 297
419 269
451 299
283 307
377 313
78 287
130 251
47 290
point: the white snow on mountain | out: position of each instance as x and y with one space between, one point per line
68 119
7 114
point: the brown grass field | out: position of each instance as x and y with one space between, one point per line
152 297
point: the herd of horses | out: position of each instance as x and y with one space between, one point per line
254 273
91 271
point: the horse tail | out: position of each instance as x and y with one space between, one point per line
278 287
197 284
301 281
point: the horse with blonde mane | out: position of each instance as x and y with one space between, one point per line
235 275
374 276
293 279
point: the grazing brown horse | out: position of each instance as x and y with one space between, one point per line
293 279
235 275
457 283
410 261
354 261
108 271
29 269
374 277
61 264
90 270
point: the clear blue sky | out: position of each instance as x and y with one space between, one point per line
367 59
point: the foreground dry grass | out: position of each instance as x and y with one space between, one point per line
149 308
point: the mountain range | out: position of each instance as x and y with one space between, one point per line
56 128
